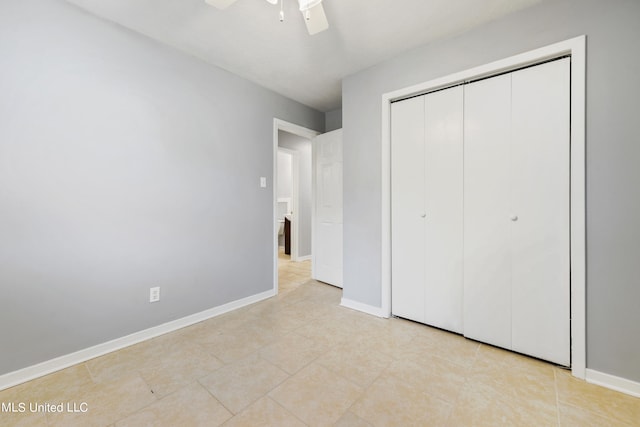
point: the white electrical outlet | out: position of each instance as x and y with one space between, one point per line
263 182
154 294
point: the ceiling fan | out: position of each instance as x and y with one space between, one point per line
312 11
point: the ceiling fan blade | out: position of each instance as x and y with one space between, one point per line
317 21
220 4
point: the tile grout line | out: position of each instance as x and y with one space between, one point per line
219 401
91 374
157 399
468 373
362 395
285 409
555 385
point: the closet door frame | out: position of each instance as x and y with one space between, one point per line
576 48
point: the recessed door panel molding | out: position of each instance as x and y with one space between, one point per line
487 210
540 198
408 209
443 208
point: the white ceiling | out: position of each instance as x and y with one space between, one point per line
249 40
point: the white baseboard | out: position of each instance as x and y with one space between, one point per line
31 372
365 308
303 258
614 383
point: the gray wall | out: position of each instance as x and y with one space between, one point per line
613 155
333 120
303 147
123 165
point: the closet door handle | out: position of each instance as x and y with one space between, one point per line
514 218
423 215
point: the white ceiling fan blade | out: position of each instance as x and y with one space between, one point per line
220 4
317 21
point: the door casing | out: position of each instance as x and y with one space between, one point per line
282 125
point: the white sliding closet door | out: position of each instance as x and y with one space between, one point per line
540 198
443 208
487 210
407 202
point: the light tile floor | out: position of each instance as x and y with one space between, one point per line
291 274
300 359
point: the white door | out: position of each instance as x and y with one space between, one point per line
443 209
426 208
487 255
407 209
540 199
480 210
327 224
516 211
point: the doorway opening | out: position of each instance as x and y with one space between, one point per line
293 208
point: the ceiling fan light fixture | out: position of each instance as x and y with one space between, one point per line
308 4
219 4
312 12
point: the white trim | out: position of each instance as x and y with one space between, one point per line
304 258
295 209
310 134
31 372
576 47
614 383
578 208
286 200
294 206
365 308
314 154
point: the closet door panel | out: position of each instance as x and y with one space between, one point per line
407 208
443 208
540 199
487 260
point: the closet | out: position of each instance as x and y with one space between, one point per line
480 210
426 194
